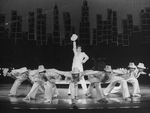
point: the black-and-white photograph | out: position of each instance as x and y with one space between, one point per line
86 56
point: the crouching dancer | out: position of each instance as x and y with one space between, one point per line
50 87
74 77
96 78
114 79
37 77
19 75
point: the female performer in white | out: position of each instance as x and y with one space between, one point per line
78 60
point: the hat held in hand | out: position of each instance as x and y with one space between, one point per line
74 37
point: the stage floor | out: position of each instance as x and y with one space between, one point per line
63 101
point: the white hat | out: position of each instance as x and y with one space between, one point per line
41 68
74 37
108 68
141 65
131 65
75 71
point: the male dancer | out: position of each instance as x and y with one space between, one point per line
50 87
74 77
96 78
135 72
20 75
37 78
115 78
78 60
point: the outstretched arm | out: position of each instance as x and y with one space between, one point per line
65 73
89 72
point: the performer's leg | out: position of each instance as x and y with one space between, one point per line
89 90
83 84
15 86
108 89
116 89
45 92
76 90
41 88
99 94
125 90
55 90
33 91
49 92
136 88
72 89
69 89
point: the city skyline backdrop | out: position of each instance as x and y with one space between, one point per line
124 9
116 32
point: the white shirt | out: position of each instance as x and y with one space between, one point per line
78 59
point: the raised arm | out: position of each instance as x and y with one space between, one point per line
74 38
74 47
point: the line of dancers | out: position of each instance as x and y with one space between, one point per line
45 79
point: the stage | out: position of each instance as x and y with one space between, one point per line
63 102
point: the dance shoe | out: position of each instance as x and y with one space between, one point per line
127 99
27 98
11 95
88 95
69 94
47 101
103 100
55 95
105 93
136 95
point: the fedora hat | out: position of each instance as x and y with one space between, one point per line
74 37
108 68
75 71
141 65
131 65
41 68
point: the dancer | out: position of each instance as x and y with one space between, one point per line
19 75
135 72
78 60
74 77
38 81
96 78
140 70
114 79
50 87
